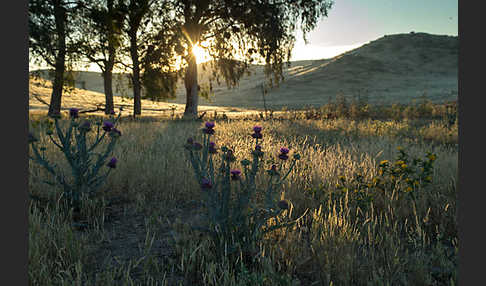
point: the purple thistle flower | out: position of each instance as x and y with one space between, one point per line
283 153
86 126
73 112
209 131
206 184
197 146
235 174
257 135
112 163
283 204
257 132
212 148
258 148
210 125
209 128
273 171
107 126
189 143
283 156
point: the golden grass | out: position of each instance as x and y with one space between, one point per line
397 242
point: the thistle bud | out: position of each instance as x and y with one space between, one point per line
245 162
283 204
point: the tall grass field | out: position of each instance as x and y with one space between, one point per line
372 201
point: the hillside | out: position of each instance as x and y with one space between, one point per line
392 69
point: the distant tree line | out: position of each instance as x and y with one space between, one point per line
153 41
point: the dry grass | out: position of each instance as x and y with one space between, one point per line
139 230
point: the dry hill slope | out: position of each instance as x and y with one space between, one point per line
395 68
392 69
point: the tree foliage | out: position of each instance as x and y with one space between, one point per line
99 30
150 51
99 39
240 33
45 30
155 38
50 41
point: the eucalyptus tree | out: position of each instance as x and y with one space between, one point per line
150 45
99 41
137 18
51 42
159 65
238 33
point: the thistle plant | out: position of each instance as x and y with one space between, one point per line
237 220
85 163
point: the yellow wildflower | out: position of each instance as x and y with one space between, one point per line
404 166
384 162
408 189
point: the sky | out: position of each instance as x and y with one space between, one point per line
353 23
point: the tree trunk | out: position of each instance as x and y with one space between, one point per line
109 64
191 88
137 99
108 86
56 95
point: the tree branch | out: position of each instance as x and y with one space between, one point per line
216 32
41 100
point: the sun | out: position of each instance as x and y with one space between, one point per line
201 54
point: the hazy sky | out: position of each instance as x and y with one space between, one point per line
351 23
